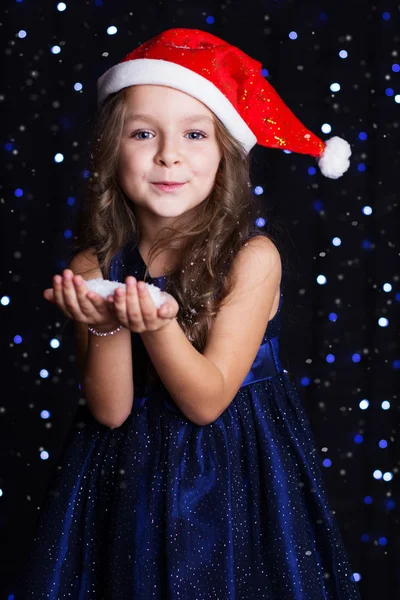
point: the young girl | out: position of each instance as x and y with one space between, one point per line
192 471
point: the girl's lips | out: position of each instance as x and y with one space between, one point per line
168 188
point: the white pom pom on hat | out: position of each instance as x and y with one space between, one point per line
334 160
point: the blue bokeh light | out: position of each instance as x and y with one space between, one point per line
318 205
366 244
261 222
382 541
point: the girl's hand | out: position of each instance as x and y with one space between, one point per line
136 310
71 295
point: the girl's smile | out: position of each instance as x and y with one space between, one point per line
168 188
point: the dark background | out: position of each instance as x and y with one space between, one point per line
42 115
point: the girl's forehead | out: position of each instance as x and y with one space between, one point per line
154 105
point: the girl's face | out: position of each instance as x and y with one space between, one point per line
167 136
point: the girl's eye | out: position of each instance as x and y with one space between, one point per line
136 133
198 132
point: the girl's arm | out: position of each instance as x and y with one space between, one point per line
203 385
105 363
193 381
107 381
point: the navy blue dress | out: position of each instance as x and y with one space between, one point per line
161 508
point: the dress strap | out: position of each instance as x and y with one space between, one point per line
116 266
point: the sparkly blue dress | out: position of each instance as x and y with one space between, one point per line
163 509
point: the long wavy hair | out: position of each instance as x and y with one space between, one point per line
206 241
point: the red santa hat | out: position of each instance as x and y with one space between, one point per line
228 82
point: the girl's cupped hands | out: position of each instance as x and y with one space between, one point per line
72 296
135 309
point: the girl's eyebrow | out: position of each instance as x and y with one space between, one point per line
189 119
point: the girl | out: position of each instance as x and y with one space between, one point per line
191 472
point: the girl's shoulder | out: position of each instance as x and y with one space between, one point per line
259 237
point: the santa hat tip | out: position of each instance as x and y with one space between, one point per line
334 160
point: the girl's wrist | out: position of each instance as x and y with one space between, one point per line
105 328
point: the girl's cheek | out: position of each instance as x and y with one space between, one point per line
201 163
129 165
122 164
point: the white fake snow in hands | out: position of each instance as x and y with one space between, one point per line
105 288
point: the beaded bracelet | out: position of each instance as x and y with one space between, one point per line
98 333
